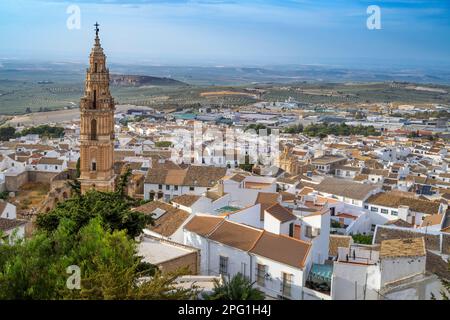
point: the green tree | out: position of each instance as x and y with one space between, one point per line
43 131
78 168
298 128
247 166
110 269
323 129
362 238
4 195
115 213
7 133
114 209
238 288
163 144
445 292
257 127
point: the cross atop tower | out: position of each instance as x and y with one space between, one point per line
96 25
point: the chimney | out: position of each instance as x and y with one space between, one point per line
403 213
220 188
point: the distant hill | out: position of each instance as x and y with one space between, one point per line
139 81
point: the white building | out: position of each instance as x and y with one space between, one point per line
161 183
50 165
396 270
277 263
11 229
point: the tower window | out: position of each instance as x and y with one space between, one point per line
94 104
94 166
94 129
95 67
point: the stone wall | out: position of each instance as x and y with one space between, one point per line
14 182
40 176
189 260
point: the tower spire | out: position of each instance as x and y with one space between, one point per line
97 39
96 25
97 125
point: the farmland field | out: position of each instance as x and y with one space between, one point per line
27 87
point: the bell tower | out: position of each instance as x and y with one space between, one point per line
97 125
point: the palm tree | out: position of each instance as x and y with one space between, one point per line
238 288
445 291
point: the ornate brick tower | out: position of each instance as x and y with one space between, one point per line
97 125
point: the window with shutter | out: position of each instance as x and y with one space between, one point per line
261 275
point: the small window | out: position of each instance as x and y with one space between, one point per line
385 211
366 206
291 230
308 232
394 213
191 188
160 186
261 275
94 166
167 187
94 129
286 284
94 103
374 209
223 265
175 188
244 269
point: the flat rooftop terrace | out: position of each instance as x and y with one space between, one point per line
155 251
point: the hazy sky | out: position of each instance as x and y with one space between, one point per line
224 32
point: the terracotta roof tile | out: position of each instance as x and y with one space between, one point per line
167 223
203 225
392 200
186 200
411 247
280 213
337 241
236 235
283 249
9 224
345 188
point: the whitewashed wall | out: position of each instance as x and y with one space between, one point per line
9 212
275 269
399 268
